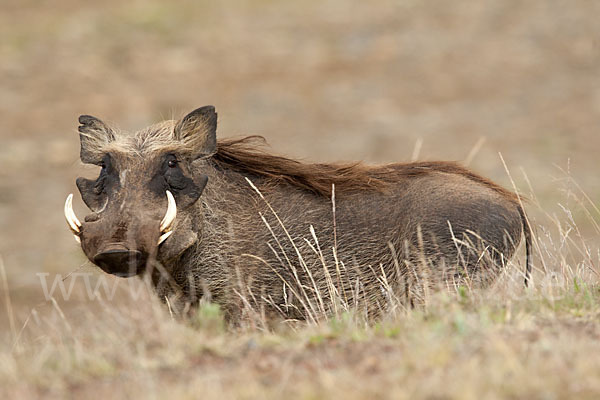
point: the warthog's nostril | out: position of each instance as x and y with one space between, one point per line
121 262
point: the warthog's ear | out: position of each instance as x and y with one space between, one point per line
94 135
198 132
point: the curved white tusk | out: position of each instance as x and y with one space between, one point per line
72 219
164 237
167 221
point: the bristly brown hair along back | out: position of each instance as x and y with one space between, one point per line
247 156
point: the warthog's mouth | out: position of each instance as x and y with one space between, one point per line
117 258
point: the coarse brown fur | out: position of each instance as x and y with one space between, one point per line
260 233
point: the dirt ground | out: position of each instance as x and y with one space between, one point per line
379 81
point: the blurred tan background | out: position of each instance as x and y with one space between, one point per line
321 80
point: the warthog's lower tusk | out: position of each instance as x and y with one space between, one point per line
164 237
72 219
167 222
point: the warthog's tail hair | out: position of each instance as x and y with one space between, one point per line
527 233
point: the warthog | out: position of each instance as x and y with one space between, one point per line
250 230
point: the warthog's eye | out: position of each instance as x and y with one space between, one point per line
171 161
173 174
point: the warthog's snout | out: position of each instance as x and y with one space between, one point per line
122 242
122 262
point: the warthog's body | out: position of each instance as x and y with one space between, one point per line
388 225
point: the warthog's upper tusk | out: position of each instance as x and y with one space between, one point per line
167 221
72 219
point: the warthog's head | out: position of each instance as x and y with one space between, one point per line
141 201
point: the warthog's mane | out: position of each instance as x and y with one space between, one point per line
247 156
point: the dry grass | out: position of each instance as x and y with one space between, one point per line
529 348
475 346
504 341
